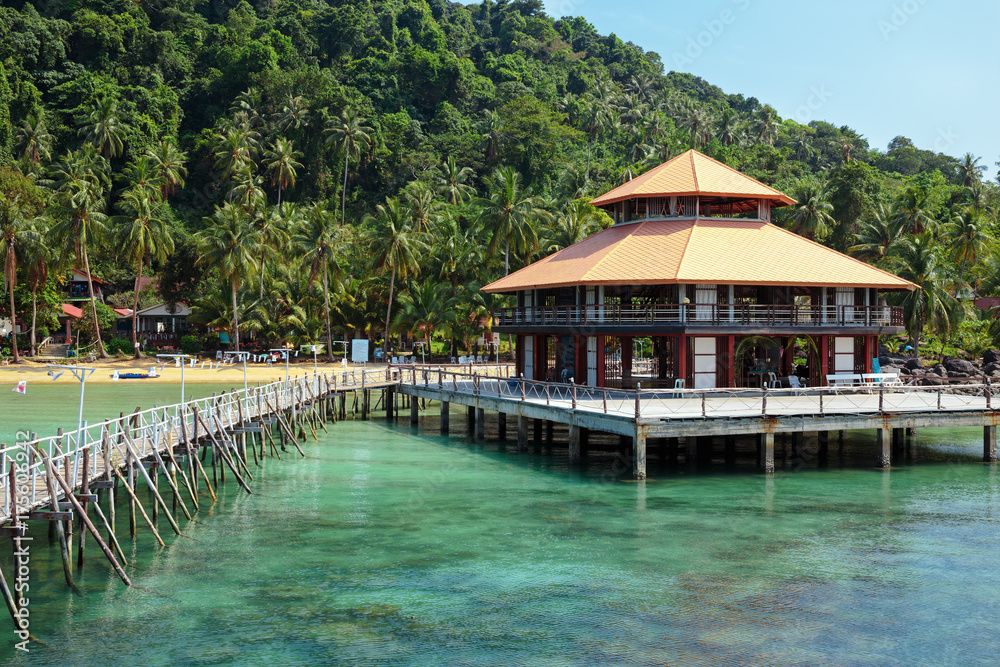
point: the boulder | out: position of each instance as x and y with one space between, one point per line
940 370
913 363
988 369
960 366
991 356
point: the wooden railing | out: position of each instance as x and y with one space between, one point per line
723 315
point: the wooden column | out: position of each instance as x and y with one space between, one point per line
798 449
574 444
502 425
480 424
731 371
414 412
390 397
445 415
538 430
682 358
639 453
691 452
824 358
990 444
767 452
884 447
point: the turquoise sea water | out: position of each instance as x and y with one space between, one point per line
392 545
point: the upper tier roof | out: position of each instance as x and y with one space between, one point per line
690 174
707 250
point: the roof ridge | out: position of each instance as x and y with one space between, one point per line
694 171
739 173
614 249
680 263
842 254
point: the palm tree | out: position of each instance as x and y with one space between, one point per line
318 240
579 221
247 191
294 114
102 129
596 115
229 244
728 129
15 231
453 182
37 257
968 236
274 229
491 130
877 236
508 213
811 215
969 170
394 247
917 260
234 150
143 175
33 140
911 210
143 235
81 180
168 163
424 307
765 125
351 136
281 161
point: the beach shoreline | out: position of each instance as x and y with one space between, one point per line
170 373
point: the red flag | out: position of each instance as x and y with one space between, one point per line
21 387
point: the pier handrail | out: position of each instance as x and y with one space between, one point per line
658 404
151 431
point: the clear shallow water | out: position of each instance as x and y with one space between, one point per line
393 546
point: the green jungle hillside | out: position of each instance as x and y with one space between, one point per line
293 168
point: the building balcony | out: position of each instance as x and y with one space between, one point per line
699 318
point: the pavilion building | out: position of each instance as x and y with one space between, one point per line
693 282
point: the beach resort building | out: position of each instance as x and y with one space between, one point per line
694 286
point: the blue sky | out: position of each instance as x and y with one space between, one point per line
924 69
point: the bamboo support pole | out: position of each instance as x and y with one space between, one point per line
135 501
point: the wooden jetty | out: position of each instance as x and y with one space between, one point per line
181 453
697 415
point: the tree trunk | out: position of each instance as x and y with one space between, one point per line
34 316
506 257
326 307
388 311
135 311
590 142
343 193
279 193
13 319
93 304
261 295
236 323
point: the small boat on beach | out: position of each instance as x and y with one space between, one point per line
135 376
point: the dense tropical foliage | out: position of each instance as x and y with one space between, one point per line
298 171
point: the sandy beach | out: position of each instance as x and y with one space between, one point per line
256 373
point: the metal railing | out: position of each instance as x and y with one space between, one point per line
149 433
656 405
739 315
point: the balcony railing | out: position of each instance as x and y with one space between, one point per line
723 315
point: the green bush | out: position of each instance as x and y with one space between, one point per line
212 342
114 345
190 345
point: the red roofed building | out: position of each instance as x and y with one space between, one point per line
694 269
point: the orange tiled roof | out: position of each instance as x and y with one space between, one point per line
690 174
711 251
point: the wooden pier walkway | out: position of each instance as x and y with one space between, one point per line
701 414
183 452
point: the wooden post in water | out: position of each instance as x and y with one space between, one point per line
884 445
69 524
414 414
574 444
767 452
64 551
480 424
502 425
639 453
990 444
445 416
522 433
85 489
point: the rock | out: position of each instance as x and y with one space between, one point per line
989 368
940 370
991 356
960 366
913 363
904 371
